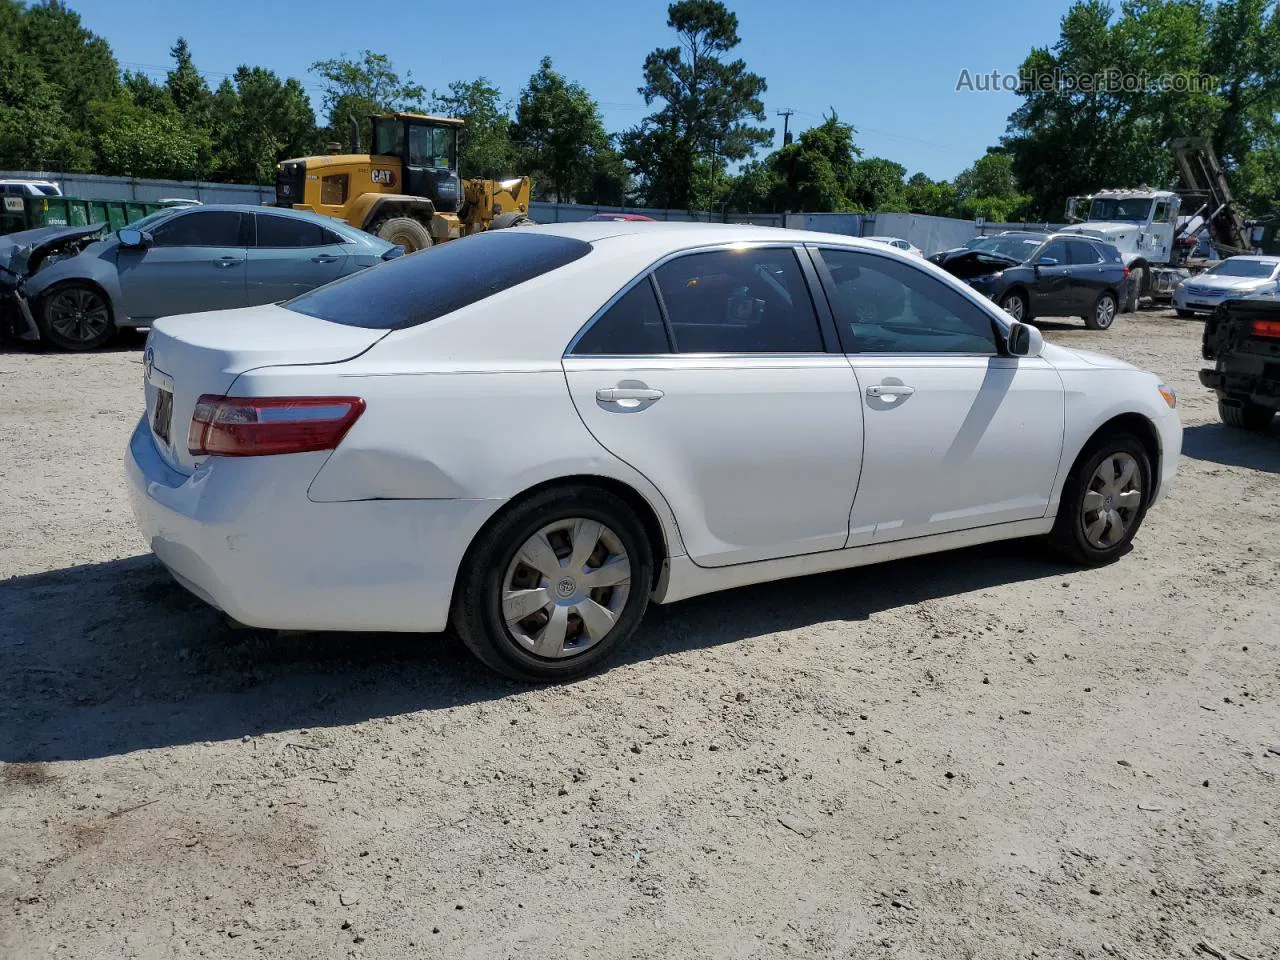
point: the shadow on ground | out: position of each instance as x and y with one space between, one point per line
108 658
1234 448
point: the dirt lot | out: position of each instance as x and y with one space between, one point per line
980 754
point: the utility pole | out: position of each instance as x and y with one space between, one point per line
786 125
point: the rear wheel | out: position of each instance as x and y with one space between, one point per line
1104 312
75 316
555 585
1104 500
406 231
1245 415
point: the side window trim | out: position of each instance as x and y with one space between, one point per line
828 284
672 345
646 276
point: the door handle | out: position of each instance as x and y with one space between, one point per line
226 262
890 390
614 394
323 258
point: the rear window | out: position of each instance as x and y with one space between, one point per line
411 290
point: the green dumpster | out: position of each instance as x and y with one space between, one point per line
28 213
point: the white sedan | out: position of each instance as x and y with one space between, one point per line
532 434
1241 276
899 244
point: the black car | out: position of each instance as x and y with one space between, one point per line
1042 275
1242 337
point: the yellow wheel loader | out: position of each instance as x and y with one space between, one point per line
407 191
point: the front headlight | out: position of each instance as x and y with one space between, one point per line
1170 397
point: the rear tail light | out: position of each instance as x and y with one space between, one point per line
262 426
1126 273
1266 328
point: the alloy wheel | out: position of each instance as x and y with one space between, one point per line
566 587
1105 311
1112 501
1013 306
78 314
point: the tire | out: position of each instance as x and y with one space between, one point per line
1141 285
75 316
493 568
1015 304
1075 534
506 220
1246 416
1185 314
406 231
1104 312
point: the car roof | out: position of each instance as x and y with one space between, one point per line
680 235
320 218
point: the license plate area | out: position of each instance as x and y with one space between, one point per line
162 418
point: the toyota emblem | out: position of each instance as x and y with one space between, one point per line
148 361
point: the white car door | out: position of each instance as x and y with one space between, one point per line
712 377
958 435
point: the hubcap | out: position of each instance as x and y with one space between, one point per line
78 314
1112 501
1013 307
1106 311
566 587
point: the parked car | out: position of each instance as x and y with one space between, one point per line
1242 338
1034 275
618 217
29 188
1234 277
899 244
532 433
183 260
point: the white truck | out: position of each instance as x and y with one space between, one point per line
1157 241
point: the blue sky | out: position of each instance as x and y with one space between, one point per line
888 68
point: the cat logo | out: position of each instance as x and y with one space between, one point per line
385 177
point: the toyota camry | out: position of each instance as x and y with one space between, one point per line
530 435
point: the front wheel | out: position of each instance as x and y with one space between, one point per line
1104 312
1245 415
555 585
1015 305
405 231
75 316
1103 501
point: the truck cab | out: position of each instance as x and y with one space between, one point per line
1140 223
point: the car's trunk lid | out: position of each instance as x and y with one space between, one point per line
203 353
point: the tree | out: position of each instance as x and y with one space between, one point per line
132 141
35 133
559 133
187 89
924 195
356 89
989 189
260 120
76 60
706 104
878 185
1223 64
484 148
146 93
817 172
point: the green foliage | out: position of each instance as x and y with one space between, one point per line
132 141
260 120
34 127
707 103
357 89
74 59
1073 141
937 198
485 143
560 136
989 189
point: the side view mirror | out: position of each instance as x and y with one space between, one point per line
1046 262
133 238
1025 340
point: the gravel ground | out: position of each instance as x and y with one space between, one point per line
982 753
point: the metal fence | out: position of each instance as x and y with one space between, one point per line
930 234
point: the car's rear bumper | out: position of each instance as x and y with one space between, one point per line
1248 383
241 534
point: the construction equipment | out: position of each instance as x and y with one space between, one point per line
407 191
1156 239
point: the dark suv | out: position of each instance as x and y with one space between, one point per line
1242 337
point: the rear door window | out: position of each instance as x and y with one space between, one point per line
753 300
631 327
274 231
418 288
1082 253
